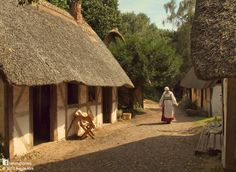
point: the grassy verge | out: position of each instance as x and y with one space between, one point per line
204 120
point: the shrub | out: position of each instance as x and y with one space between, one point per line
119 113
190 105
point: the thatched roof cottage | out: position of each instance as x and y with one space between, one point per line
214 56
51 65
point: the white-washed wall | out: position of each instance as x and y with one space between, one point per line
61 110
95 106
114 105
217 100
70 117
21 122
98 110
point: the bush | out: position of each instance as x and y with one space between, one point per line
137 107
119 113
190 105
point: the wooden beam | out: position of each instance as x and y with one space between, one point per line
16 103
9 119
31 117
66 107
230 122
53 113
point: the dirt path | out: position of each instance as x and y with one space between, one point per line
142 144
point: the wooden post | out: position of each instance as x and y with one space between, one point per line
230 127
9 119
53 113
211 97
31 117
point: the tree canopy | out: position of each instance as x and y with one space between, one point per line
146 55
101 15
181 16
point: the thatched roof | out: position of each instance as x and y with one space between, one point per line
112 35
214 39
44 45
192 81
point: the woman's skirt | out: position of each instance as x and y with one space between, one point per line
167 112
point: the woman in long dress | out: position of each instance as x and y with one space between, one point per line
167 103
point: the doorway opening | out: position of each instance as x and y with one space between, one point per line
41 114
107 104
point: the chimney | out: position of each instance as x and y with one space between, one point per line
76 11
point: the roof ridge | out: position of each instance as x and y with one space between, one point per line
54 8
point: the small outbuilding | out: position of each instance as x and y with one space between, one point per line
51 64
206 94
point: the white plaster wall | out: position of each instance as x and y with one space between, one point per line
95 107
114 105
217 100
19 144
114 112
61 111
70 117
99 116
21 116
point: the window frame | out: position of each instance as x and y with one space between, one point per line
78 92
89 94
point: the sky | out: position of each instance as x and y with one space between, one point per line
154 9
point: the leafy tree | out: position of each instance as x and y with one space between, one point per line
64 4
183 14
181 17
147 55
101 15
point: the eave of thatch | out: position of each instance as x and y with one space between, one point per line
214 39
192 81
44 45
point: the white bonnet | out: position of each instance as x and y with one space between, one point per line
166 89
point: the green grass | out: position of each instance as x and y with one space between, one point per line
204 120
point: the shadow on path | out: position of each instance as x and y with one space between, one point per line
161 153
155 123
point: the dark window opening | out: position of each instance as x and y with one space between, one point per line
91 93
72 93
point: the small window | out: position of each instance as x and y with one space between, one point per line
72 93
91 94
